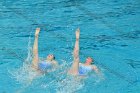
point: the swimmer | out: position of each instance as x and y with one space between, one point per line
42 66
81 68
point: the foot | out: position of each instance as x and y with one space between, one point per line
77 33
37 31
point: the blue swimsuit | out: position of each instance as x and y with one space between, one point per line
44 66
84 70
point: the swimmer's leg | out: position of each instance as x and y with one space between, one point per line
35 50
74 70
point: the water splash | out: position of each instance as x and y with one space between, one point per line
61 82
26 73
29 56
56 79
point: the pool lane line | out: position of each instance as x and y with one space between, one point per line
98 18
33 22
117 74
18 13
133 63
11 52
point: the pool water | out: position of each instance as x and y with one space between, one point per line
110 33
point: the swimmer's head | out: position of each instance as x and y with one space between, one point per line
89 60
50 57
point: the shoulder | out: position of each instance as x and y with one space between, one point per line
94 66
54 62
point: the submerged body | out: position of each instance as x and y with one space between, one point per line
46 66
84 70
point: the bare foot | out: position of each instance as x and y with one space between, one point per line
77 33
37 31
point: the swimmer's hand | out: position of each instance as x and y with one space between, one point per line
77 33
37 32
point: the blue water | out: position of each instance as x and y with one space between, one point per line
110 33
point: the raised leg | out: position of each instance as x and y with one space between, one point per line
35 49
75 66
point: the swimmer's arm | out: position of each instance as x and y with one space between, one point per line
95 69
55 63
98 72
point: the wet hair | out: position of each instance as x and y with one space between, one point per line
91 59
53 57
